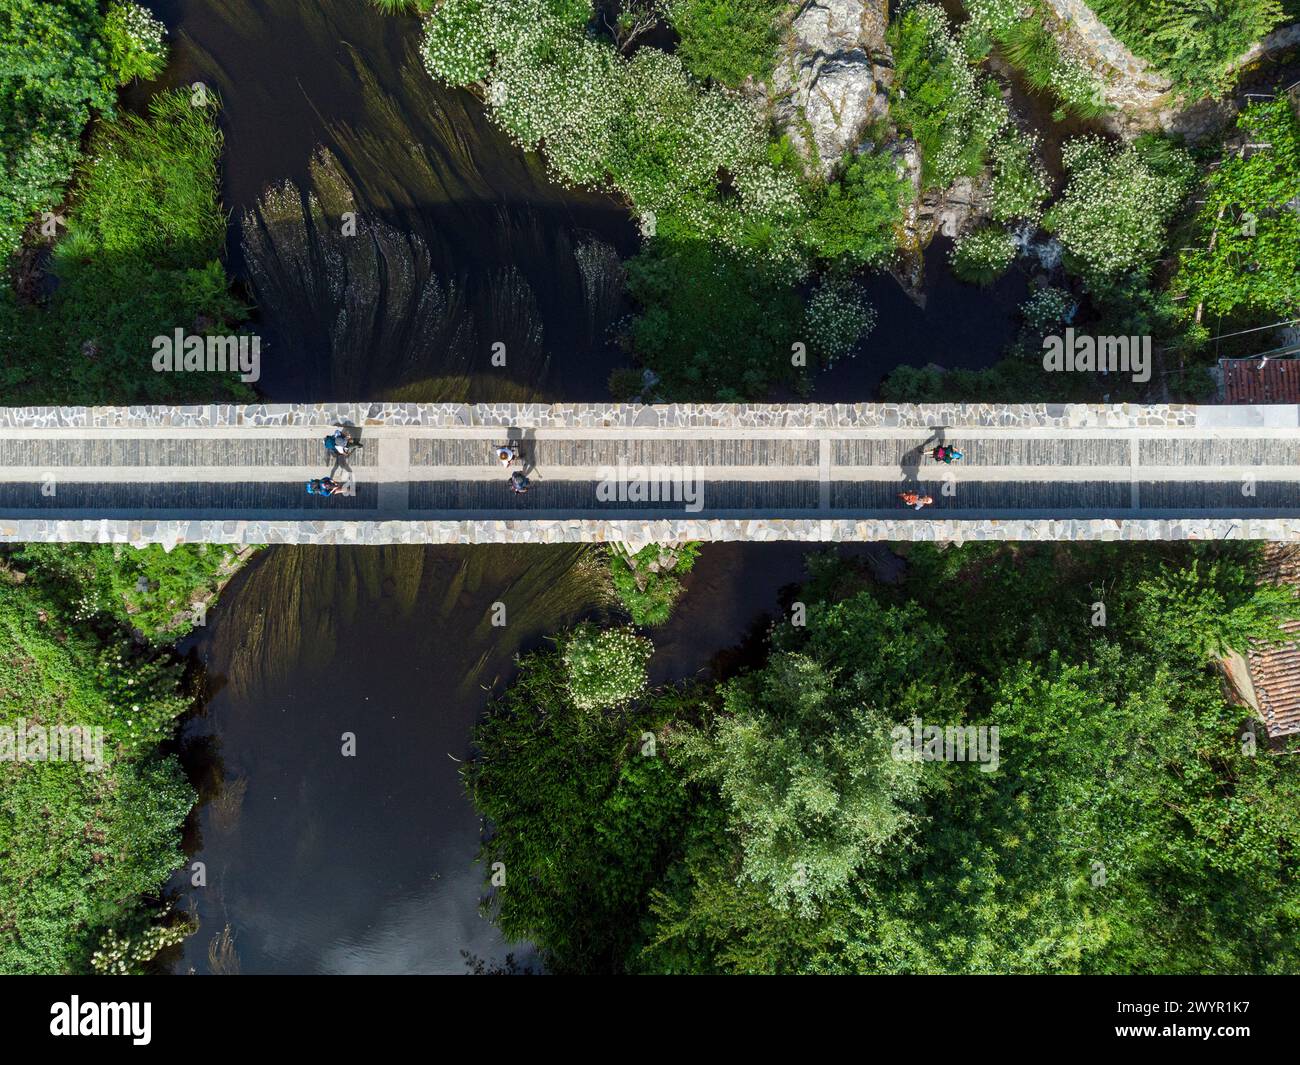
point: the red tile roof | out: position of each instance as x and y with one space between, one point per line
1275 670
1245 382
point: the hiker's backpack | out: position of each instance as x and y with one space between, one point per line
331 445
315 488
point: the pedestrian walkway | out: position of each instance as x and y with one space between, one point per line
62 471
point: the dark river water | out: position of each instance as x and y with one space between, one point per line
320 863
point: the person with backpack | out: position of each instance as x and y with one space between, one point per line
325 486
519 484
508 455
915 500
339 444
946 455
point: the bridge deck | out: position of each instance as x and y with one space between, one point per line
133 469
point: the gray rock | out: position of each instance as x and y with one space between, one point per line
833 79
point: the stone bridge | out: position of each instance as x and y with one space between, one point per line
426 473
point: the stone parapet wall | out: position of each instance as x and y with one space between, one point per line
611 416
637 533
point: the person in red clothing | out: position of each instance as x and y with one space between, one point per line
915 500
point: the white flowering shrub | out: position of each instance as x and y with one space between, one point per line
129 955
457 43
136 43
837 318
1020 182
604 667
1048 308
983 256
1117 204
642 126
1021 28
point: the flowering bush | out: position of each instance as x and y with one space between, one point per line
642 126
604 667
1118 203
135 43
1020 182
983 256
129 955
837 318
951 110
1020 28
1048 308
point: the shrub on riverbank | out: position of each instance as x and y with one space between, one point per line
140 259
59 63
79 848
983 256
1100 828
555 780
1115 212
153 592
649 581
944 103
604 668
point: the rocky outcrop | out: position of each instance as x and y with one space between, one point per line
833 77
952 211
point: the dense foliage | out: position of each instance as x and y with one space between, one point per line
1117 206
59 62
586 815
727 40
1124 826
80 848
649 581
1241 257
140 258
1195 42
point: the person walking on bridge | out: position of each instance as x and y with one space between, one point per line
339 443
946 454
325 486
519 484
915 500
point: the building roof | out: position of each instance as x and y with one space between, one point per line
1275 670
1245 381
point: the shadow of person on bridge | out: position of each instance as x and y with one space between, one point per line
525 442
914 457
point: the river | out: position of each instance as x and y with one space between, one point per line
315 862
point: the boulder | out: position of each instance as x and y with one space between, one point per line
833 77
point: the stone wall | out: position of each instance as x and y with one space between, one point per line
636 533
612 416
